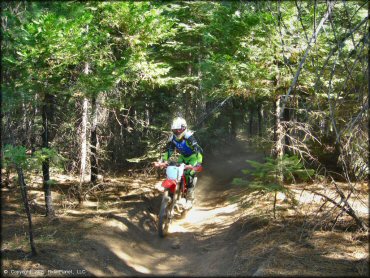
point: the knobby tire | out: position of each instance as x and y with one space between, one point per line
164 214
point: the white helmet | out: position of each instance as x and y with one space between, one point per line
178 127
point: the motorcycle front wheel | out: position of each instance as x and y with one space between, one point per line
164 215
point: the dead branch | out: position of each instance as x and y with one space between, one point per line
321 24
303 27
338 44
91 190
331 108
346 207
362 41
115 115
282 40
350 125
334 49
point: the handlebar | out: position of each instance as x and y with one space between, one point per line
158 164
187 167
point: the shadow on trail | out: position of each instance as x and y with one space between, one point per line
133 250
104 250
69 252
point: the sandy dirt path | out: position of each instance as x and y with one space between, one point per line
202 243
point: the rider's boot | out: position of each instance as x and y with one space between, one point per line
190 193
189 198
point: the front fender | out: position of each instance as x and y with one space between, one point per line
170 184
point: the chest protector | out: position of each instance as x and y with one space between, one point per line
182 147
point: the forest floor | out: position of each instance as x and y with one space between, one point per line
115 234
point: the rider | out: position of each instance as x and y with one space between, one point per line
191 153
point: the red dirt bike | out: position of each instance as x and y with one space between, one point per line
174 195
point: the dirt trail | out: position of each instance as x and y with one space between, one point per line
115 233
202 243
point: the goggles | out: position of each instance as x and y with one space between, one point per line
177 131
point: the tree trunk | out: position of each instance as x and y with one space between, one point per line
251 115
274 207
233 127
32 131
201 102
286 117
83 140
94 141
83 135
234 120
147 117
25 130
46 116
23 188
275 125
260 116
131 132
188 98
279 150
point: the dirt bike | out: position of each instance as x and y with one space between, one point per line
174 194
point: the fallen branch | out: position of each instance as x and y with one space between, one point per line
24 193
346 208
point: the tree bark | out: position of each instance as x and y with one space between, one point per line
83 140
275 124
46 117
25 130
201 102
279 150
32 124
83 135
286 117
234 119
274 206
24 193
94 141
147 117
233 127
251 116
260 116
188 97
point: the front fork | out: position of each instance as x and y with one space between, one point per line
172 200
